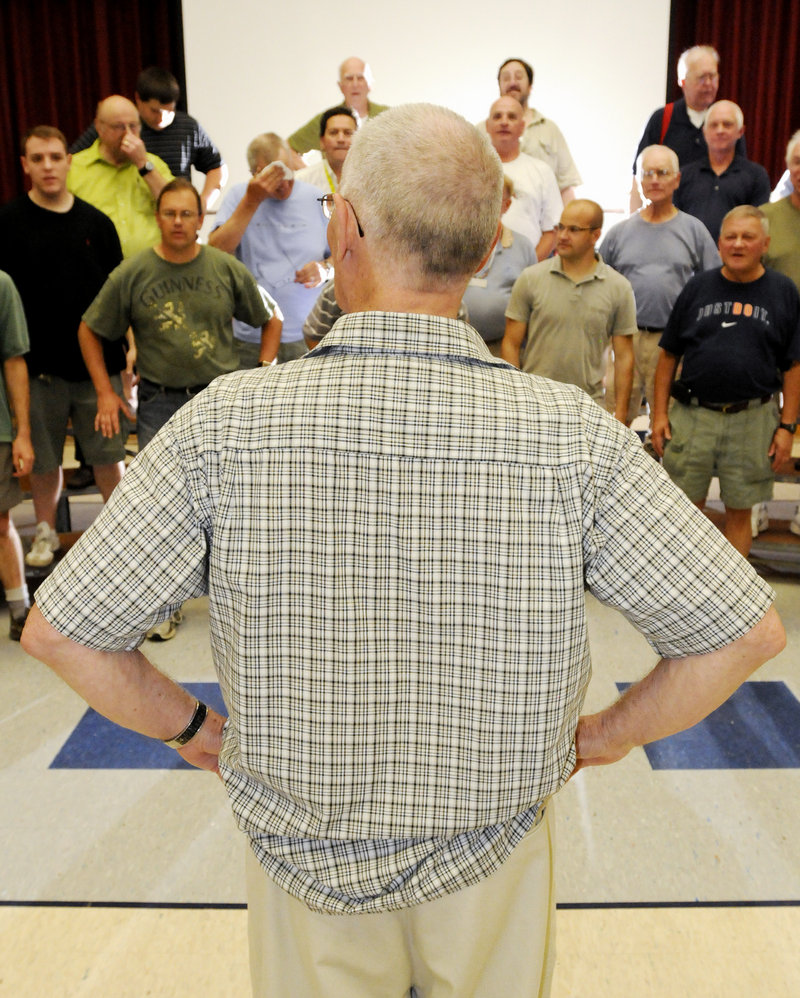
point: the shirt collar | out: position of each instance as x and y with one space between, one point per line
598 274
404 333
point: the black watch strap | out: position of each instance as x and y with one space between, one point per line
191 729
791 427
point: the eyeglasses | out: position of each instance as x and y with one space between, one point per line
121 126
572 229
184 216
661 174
329 207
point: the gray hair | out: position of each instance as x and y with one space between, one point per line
791 144
426 185
746 211
738 113
687 57
268 146
671 155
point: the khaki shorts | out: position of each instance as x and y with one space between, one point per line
54 402
10 492
730 446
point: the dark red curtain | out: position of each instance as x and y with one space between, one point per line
759 47
60 57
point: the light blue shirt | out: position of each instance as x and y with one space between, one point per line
281 238
489 290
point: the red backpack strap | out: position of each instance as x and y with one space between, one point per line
666 118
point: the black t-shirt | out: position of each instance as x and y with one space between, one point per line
735 339
58 261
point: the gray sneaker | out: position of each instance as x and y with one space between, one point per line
16 624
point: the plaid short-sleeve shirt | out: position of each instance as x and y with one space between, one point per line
395 533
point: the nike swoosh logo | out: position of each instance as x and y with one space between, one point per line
726 324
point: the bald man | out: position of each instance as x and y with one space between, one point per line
355 82
536 205
117 175
721 179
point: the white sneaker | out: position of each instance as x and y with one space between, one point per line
45 542
167 629
759 519
794 526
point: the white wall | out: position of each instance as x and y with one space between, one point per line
253 66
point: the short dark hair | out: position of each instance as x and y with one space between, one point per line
331 113
179 184
42 132
525 65
158 84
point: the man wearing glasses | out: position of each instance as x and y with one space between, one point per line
658 250
395 534
117 174
679 124
569 309
179 297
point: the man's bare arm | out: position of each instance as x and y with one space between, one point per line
215 181
108 402
271 338
512 341
675 695
15 373
545 245
126 688
263 185
781 447
665 373
623 375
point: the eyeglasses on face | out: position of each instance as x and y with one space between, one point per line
661 174
572 229
184 216
329 207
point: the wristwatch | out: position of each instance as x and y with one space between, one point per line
191 729
147 168
791 427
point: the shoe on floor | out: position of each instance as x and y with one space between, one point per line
794 526
16 624
166 630
81 478
45 543
759 519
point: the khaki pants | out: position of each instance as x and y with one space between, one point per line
492 940
645 353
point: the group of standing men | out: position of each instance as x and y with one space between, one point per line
395 533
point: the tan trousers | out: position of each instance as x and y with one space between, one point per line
645 353
492 940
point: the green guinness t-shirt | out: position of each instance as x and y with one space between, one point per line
181 313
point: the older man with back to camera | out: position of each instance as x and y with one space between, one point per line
396 532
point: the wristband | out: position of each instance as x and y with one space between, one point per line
791 427
191 729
